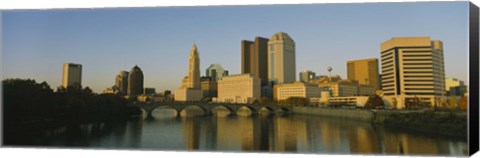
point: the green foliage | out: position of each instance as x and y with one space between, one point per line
415 103
298 101
463 103
443 123
374 102
26 100
265 100
207 99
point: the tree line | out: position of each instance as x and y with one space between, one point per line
26 101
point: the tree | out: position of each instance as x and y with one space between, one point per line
207 99
374 102
298 101
452 102
463 103
265 100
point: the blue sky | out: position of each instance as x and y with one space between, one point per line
35 43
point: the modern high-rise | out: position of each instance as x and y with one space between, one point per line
281 59
190 89
365 71
307 76
413 67
216 72
121 82
135 81
255 58
72 73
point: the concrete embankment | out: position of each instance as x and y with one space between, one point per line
354 114
453 123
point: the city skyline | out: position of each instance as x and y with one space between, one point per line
161 49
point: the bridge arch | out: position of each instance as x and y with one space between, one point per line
192 110
265 110
164 112
245 111
217 110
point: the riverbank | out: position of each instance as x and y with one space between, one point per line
445 123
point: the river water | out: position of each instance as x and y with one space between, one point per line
272 133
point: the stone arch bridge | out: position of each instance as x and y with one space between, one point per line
209 108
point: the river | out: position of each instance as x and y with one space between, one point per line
258 133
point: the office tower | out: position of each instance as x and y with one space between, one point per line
72 73
413 68
135 82
365 71
307 76
255 58
190 89
281 59
121 82
244 88
216 72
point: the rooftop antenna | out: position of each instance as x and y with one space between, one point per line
329 72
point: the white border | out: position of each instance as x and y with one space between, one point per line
49 4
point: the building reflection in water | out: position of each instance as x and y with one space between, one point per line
302 134
191 131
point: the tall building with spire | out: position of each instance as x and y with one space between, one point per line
190 89
281 59
135 81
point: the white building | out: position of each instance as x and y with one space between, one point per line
412 67
243 88
297 89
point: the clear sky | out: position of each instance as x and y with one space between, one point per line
35 43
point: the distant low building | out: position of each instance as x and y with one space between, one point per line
243 88
358 101
455 87
297 89
149 91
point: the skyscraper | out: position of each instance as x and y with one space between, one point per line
306 76
193 78
121 81
135 81
190 89
255 58
413 67
365 71
281 59
72 73
216 72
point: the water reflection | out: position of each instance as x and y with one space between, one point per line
264 133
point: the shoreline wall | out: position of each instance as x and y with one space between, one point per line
353 114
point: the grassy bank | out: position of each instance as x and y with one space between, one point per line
431 122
